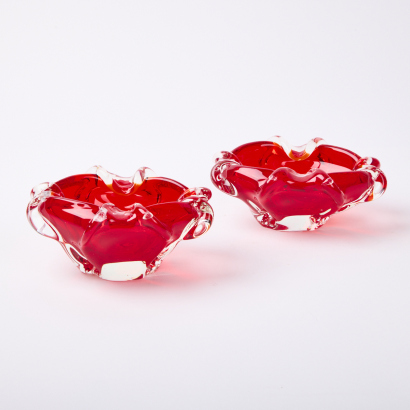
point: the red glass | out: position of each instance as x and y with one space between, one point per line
297 188
119 228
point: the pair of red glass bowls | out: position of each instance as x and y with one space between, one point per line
122 228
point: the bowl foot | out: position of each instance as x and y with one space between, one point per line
294 223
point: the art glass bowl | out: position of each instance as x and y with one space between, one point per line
119 228
297 188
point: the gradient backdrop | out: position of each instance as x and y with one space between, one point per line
244 317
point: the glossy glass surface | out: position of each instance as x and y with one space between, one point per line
297 188
119 228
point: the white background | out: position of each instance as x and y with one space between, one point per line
244 317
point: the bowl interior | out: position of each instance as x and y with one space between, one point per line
265 154
123 193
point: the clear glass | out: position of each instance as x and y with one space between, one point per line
119 228
297 188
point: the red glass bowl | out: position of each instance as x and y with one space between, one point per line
119 228
297 188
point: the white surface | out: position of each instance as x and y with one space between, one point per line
243 317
